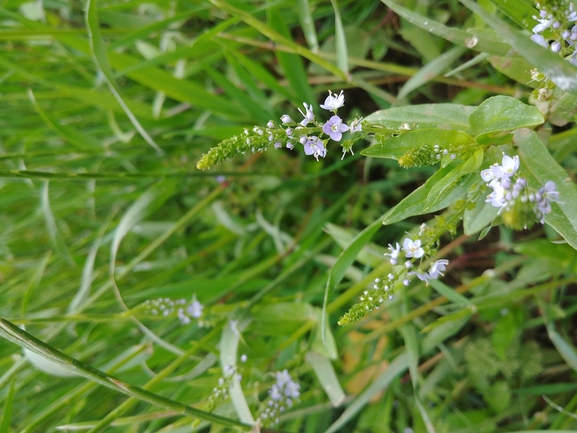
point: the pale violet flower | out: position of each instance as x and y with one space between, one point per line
309 115
195 309
394 254
315 147
333 102
508 168
413 248
356 126
335 127
286 119
423 276
497 197
437 268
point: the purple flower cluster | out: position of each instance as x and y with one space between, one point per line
557 23
514 197
315 145
411 250
282 395
166 307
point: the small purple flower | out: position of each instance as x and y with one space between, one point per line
422 276
437 268
413 248
195 309
356 126
333 103
538 39
315 147
394 254
309 115
334 128
286 119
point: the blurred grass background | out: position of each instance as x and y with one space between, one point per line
101 124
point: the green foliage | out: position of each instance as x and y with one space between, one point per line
141 294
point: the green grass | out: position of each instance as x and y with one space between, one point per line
105 108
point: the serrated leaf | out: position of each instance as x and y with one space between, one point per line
395 147
500 115
542 168
443 116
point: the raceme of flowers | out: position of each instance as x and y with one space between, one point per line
408 261
520 205
281 396
312 135
555 29
186 311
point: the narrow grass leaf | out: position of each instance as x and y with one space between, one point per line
340 41
25 340
80 140
431 70
346 259
559 71
101 60
567 352
8 408
327 377
478 42
307 24
519 11
449 293
35 281
412 349
54 233
229 340
394 369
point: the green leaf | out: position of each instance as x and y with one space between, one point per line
16 335
519 11
78 139
478 41
393 370
229 340
327 377
435 67
308 24
498 396
514 67
282 318
421 200
8 408
559 71
101 60
446 291
499 115
396 147
542 168
345 259
412 348
471 165
480 216
443 116
567 352
340 41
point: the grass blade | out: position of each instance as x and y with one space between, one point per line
25 340
101 60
